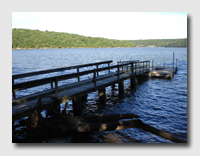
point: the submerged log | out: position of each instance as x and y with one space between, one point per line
88 127
161 133
62 125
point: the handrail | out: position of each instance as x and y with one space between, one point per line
57 69
34 83
55 79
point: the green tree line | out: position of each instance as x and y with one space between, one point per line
26 38
161 42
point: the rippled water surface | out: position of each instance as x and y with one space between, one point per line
160 103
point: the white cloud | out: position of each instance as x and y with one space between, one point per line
113 25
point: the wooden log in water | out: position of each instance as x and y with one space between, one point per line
101 118
88 127
161 133
61 124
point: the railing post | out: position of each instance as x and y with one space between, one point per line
132 68
78 72
146 66
143 67
139 67
152 65
109 66
122 66
14 96
56 87
97 71
118 73
135 67
51 85
94 79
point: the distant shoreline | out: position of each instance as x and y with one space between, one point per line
90 47
35 39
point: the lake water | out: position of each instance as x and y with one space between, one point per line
158 102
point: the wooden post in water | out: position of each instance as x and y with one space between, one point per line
121 87
133 78
133 82
113 86
76 106
102 95
132 69
84 98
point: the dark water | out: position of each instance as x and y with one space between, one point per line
160 103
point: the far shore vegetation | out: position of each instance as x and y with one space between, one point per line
36 39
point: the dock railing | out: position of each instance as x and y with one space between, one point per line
135 67
46 80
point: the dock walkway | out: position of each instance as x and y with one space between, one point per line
24 105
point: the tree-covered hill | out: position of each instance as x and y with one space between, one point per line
26 38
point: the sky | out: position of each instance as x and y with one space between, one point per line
111 25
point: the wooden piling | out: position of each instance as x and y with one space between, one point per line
121 87
102 95
84 98
113 86
133 82
76 106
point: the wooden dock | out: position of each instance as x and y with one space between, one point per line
77 91
163 72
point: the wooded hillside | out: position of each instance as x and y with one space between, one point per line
26 38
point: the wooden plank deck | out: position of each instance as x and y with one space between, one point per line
23 106
79 89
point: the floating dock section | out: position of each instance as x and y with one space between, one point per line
163 72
